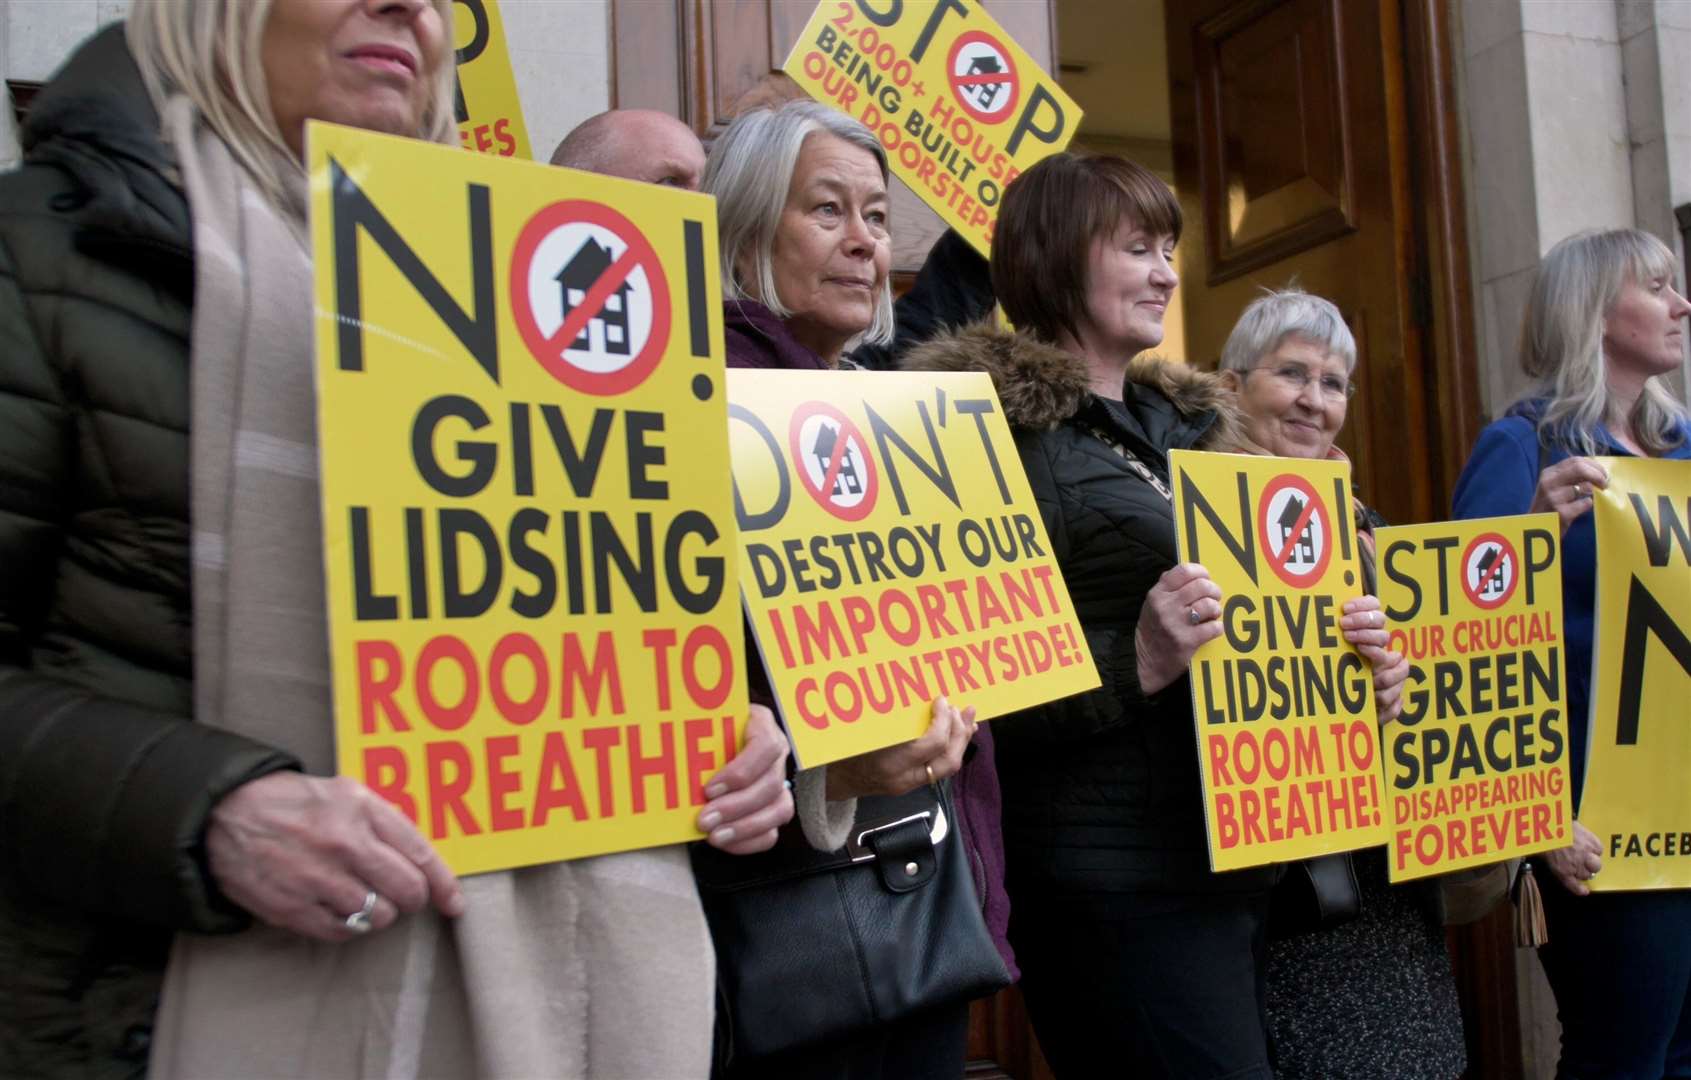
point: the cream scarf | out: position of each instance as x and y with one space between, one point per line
599 967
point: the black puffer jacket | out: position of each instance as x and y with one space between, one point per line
105 780
1101 790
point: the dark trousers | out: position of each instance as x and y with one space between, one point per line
1620 965
929 1046
1170 987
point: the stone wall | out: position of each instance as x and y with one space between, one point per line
1577 115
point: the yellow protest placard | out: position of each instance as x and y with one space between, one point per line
528 532
490 116
891 553
961 109
1477 764
1637 796
1288 740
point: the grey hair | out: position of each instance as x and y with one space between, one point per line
1577 283
1282 313
211 51
750 170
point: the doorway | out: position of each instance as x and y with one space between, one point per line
1305 140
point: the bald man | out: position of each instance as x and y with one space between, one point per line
635 144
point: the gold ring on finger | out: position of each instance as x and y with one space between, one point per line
929 769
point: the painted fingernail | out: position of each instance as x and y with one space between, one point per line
708 820
722 835
716 791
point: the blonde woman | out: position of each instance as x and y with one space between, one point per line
165 741
1604 324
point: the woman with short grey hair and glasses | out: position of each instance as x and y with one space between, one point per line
1290 359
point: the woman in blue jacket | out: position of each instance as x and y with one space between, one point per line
1603 324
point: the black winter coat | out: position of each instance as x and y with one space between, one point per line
1101 789
105 780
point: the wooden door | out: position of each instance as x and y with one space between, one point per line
1292 130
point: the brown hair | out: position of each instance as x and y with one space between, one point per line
1050 217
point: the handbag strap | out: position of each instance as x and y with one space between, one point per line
1142 470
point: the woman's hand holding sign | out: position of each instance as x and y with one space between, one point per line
1579 862
749 799
937 754
1182 611
1364 626
1564 489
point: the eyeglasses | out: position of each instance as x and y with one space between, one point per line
1296 378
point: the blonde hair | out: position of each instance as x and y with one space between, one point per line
1577 283
749 170
211 51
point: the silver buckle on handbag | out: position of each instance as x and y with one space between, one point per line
860 852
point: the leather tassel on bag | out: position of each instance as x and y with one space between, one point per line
1531 930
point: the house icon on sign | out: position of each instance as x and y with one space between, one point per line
847 482
985 93
586 267
1303 551
1491 571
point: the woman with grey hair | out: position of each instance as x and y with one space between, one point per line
801 194
1604 326
802 221
166 746
1290 359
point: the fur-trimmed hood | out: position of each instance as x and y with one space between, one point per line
1040 386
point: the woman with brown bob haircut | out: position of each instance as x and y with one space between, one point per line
1131 949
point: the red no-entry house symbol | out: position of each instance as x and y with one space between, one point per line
590 297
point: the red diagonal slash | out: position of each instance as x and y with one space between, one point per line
1280 560
833 473
594 302
976 80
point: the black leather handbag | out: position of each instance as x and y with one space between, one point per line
1313 894
814 946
